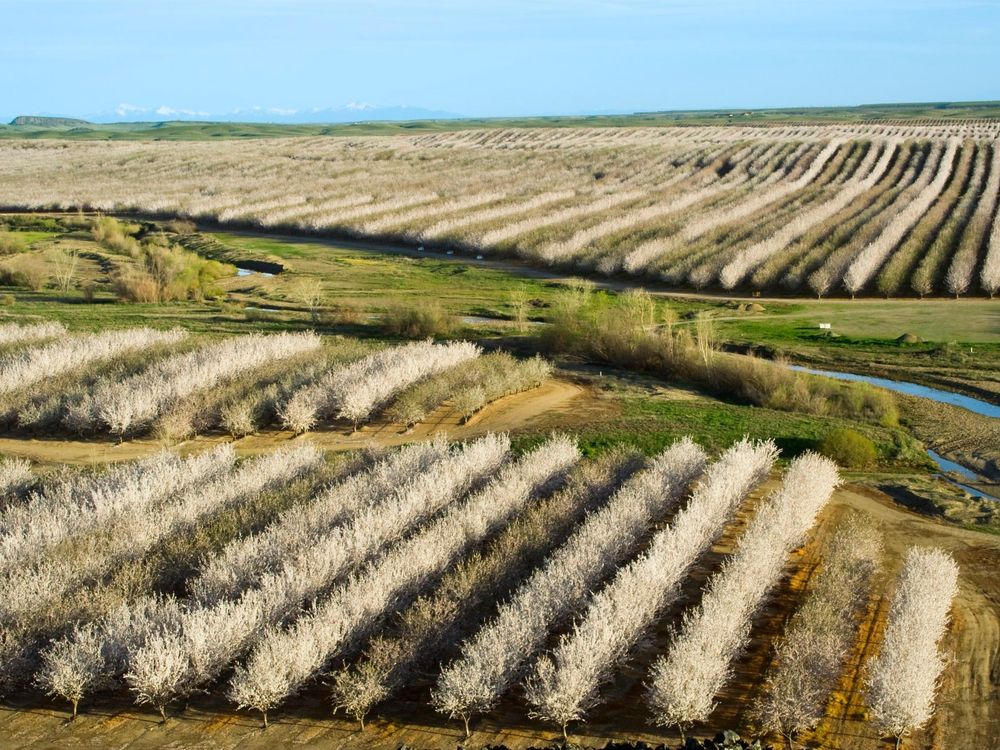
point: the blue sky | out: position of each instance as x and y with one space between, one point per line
492 57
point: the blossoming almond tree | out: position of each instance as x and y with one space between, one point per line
283 660
493 659
124 405
206 639
810 656
565 684
29 366
683 683
903 677
355 390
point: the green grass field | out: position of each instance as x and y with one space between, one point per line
960 338
962 334
961 345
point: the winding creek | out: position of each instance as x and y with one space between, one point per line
974 405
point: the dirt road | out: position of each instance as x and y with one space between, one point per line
555 404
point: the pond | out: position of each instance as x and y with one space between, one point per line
251 272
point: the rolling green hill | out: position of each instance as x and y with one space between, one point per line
63 128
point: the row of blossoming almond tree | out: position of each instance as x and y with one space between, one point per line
377 571
885 210
127 381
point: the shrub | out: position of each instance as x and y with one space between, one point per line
849 448
625 332
418 321
136 287
163 272
10 244
181 226
8 300
28 272
115 236
345 314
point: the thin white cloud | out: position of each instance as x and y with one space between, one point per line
124 109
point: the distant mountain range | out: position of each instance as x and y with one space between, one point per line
351 112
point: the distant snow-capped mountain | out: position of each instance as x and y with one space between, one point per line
350 112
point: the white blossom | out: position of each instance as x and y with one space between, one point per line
685 681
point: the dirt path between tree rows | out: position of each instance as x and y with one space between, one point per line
550 406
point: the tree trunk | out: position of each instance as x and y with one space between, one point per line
467 732
565 735
361 719
163 713
75 704
265 719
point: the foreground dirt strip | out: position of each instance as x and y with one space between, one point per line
554 404
968 717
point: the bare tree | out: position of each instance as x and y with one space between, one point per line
705 338
64 263
519 306
309 291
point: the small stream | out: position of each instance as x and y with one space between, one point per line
950 466
974 405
